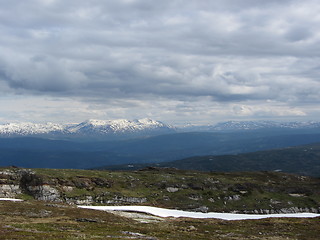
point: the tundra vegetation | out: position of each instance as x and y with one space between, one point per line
43 220
51 196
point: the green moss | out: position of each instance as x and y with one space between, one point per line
25 197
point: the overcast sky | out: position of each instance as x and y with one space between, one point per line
191 61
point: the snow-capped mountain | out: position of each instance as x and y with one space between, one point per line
117 126
28 128
253 125
123 128
90 128
250 125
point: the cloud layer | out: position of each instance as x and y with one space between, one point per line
172 60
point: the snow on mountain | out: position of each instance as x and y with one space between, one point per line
249 125
119 125
29 128
91 127
140 127
252 125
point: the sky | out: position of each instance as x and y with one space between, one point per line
191 61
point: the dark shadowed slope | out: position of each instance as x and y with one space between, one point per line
303 160
44 153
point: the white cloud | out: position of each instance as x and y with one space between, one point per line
203 55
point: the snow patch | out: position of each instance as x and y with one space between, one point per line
162 212
11 199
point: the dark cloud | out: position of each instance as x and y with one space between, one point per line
225 52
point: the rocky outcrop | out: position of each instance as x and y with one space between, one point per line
282 210
15 182
45 193
9 190
126 200
103 199
10 182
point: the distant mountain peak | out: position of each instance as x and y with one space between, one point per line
95 122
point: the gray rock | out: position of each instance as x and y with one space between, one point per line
195 197
233 198
172 189
9 190
203 209
122 199
45 193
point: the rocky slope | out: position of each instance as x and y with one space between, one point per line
260 192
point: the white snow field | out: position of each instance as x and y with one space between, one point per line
11 199
162 212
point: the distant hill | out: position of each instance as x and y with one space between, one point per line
45 153
304 160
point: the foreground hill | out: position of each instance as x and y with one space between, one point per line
304 160
49 210
252 192
40 220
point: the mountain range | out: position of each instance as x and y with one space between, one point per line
125 129
96 143
90 129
